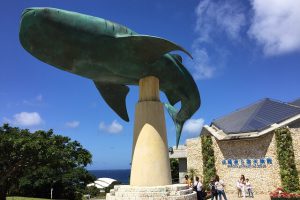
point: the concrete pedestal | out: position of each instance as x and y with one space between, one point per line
167 192
150 176
150 157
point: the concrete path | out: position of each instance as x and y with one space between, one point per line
234 197
256 197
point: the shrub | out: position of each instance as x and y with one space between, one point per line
286 158
92 190
281 194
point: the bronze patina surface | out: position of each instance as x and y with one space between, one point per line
111 55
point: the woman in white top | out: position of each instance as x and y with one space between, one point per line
243 183
239 188
198 188
220 188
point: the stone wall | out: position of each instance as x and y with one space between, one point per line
295 129
263 180
194 155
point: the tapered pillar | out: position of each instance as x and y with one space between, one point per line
150 157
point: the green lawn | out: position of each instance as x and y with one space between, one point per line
23 198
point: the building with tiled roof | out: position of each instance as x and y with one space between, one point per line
243 142
254 120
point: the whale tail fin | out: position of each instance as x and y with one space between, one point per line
178 124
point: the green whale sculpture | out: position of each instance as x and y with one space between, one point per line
111 55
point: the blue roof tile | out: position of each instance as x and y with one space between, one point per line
296 102
256 117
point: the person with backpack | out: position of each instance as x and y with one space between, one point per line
213 190
198 188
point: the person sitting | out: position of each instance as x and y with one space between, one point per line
249 188
187 180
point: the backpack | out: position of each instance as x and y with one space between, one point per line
213 189
195 187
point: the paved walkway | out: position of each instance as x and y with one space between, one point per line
256 197
234 197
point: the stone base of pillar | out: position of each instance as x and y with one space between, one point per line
167 192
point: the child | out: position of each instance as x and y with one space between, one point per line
249 188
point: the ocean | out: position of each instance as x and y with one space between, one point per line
121 175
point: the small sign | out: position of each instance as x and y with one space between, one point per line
247 163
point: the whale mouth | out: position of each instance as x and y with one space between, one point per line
27 10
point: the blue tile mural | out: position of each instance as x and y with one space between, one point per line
247 163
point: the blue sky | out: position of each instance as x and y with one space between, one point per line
243 51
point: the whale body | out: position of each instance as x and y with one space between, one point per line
111 55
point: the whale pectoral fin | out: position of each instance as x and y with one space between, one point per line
149 48
115 96
173 99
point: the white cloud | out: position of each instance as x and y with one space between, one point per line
72 124
27 119
214 19
219 16
114 127
201 65
193 126
276 25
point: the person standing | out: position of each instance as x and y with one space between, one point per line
198 188
239 188
243 184
220 188
213 190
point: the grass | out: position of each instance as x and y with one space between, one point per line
23 198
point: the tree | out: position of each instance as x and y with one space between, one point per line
32 163
174 163
92 190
